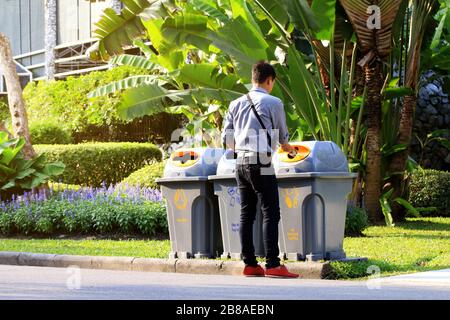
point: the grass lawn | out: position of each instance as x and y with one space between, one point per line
416 245
420 244
125 248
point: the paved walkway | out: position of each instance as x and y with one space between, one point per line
23 282
430 278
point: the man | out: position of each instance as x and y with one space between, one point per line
252 123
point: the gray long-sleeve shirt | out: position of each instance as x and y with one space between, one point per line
242 125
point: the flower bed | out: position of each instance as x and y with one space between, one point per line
113 209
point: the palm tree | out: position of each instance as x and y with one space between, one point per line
375 45
15 98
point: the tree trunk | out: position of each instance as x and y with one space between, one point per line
50 38
15 98
372 188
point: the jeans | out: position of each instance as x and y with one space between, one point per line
258 181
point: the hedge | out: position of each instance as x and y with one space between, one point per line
430 188
86 211
93 164
49 133
66 103
146 176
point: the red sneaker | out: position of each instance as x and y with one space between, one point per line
280 272
250 271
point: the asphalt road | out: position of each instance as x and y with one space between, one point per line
19 282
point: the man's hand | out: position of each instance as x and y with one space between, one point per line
289 149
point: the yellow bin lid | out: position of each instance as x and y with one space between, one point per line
184 158
302 153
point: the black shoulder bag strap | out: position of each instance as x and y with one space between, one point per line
252 105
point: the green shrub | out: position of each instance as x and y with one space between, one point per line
356 221
146 176
93 164
90 212
428 189
49 133
66 102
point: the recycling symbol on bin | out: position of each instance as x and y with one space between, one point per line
180 199
235 197
291 198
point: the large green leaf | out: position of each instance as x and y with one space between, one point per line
277 9
116 31
386 208
206 75
408 206
151 98
54 169
145 100
237 38
244 43
158 9
209 7
6 171
325 11
25 173
394 93
10 184
186 29
8 154
239 8
304 92
445 13
134 61
302 15
127 83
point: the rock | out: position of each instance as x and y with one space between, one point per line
423 93
447 119
440 121
433 121
447 159
423 117
435 101
437 83
431 110
422 103
432 88
418 126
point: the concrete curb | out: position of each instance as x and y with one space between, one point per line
307 270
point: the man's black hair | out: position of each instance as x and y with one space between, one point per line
261 71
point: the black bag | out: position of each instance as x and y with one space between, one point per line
269 138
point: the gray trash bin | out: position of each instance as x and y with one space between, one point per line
313 189
192 208
225 187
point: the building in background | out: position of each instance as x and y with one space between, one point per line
49 38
